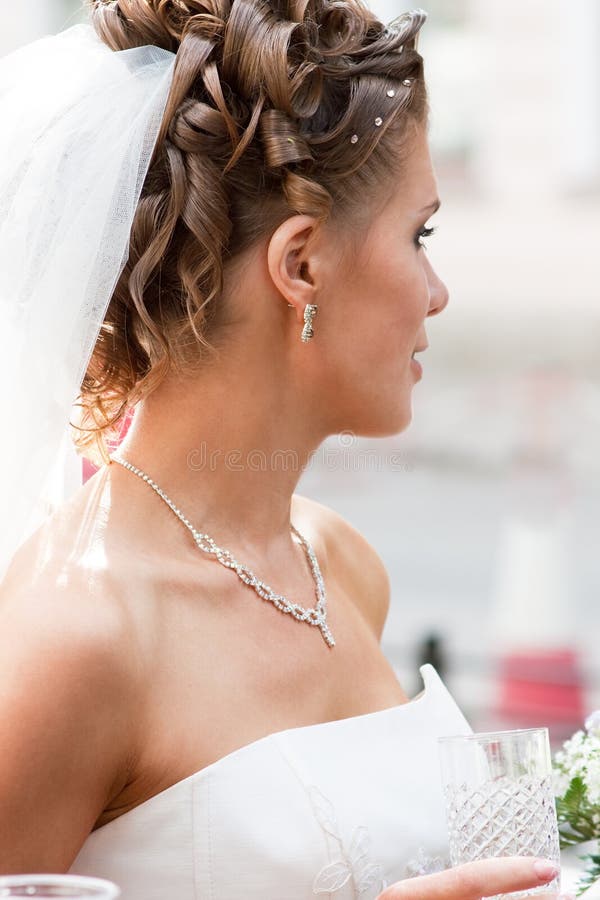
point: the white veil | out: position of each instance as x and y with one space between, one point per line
78 127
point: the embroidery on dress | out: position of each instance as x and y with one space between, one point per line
425 865
354 862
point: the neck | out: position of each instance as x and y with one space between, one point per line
228 450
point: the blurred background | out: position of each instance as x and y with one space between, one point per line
486 510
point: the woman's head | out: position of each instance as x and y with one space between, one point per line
291 127
377 288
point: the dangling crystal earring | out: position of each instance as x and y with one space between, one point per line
310 311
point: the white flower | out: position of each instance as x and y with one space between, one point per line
592 783
561 782
592 723
580 757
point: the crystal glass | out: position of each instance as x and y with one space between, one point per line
500 798
45 887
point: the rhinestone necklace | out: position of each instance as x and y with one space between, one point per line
316 616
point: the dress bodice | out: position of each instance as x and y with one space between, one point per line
339 809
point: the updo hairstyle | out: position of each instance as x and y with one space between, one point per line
276 107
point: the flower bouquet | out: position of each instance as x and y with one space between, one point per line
577 789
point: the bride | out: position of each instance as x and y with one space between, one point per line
194 699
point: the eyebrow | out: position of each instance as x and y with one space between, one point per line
432 206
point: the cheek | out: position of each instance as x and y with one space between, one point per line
388 305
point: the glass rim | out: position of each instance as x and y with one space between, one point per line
490 736
54 880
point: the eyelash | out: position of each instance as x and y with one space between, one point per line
424 233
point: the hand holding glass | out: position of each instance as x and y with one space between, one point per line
499 797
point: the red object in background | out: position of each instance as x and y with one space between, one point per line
88 468
541 687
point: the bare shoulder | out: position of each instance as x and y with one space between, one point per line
49 596
67 728
61 581
348 553
57 622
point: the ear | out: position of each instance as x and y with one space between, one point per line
292 260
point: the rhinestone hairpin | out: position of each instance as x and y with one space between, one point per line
392 29
378 122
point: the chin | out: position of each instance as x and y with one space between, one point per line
383 421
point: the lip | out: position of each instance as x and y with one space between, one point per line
417 368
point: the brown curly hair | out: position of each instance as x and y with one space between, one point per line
276 107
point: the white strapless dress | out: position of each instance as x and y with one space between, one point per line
339 809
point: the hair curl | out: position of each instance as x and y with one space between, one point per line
265 98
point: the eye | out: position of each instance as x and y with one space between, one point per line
424 233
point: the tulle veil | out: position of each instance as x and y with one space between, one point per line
78 128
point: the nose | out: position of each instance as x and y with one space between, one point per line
438 293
